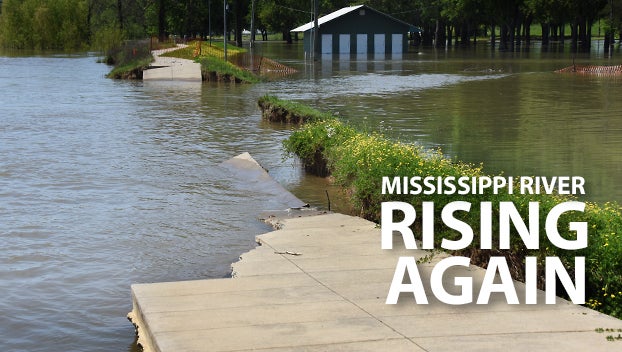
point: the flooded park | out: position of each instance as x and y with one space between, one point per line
105 183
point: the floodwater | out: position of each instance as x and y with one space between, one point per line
107 183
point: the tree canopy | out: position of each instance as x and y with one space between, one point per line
76 24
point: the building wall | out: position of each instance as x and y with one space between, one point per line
370 23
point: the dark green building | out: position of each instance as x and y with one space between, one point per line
358 30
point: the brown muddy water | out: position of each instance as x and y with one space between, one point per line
106 183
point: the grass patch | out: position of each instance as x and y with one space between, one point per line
131 69
357 161
277 110
213 65
216 69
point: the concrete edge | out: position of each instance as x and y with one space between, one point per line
242 163
144 338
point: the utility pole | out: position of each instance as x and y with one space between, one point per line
209 21
316 42
252 23
612 34
224 33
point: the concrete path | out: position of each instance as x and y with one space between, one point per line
172 68
320 284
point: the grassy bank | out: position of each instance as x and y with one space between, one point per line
213 65
131 69
276 110
357 162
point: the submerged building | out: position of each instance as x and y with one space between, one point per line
358 30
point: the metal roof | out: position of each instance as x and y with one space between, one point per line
327 18
346 10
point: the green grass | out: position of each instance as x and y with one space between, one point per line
221 69
131 69
278 110
357 161
213 65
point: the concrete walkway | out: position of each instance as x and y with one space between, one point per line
172 68
320 284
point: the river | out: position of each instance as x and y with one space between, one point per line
106 183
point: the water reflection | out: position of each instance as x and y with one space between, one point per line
507 110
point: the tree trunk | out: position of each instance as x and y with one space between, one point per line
588 36
238 22
546 28
287 36
503 40
440 35
474 32
583 34
606 43
188 19
427 37
120 13
527 28
493 35
464 35
450 35
574 36
161 20
512 33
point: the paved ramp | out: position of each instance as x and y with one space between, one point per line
172 68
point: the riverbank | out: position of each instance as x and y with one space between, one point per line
214 68
306 287
195 62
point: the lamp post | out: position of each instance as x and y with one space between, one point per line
209 21
224 34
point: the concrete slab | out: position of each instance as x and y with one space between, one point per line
295 335
172 69
320 284
337 303
247 169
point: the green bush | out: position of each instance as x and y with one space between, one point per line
358 161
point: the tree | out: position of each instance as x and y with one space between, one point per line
44 24
283 16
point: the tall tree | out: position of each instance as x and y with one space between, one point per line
283 16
